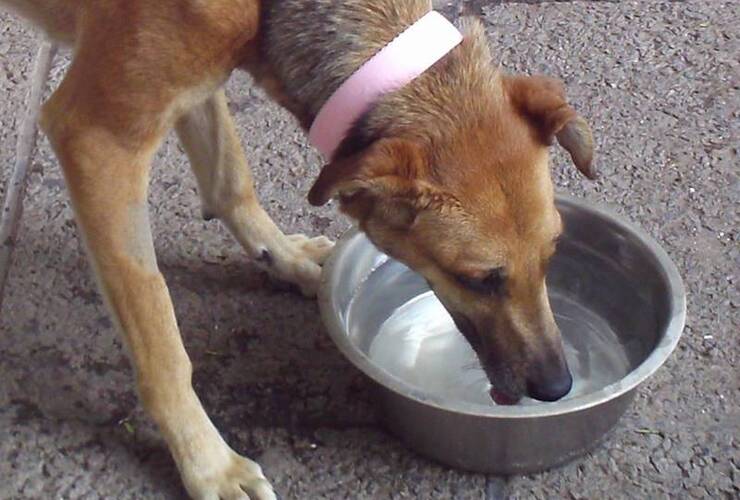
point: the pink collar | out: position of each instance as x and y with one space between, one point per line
404 59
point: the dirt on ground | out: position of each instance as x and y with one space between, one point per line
659 83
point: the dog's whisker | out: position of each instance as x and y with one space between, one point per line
473 365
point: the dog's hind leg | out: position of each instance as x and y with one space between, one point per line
104 140
209 137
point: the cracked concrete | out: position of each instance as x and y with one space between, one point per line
659 83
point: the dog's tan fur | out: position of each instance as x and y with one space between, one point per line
450 175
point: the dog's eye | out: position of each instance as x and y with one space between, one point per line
490 284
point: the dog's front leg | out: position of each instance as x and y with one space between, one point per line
106 167
209 137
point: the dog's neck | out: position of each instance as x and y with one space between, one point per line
407 57
312 47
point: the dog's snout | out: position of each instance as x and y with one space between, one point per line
550 380
467 328
514 368
551 389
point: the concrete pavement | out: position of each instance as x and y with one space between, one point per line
658 81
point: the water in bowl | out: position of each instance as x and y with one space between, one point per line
419 343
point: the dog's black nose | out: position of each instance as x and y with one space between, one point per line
550 385
552 390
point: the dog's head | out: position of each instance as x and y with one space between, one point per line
474 214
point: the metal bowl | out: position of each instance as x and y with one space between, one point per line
611 269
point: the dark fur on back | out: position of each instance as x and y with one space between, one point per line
315 45
310 47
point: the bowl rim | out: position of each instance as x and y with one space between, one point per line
667 342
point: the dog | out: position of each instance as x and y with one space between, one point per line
448 173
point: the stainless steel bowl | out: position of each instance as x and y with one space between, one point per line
611 268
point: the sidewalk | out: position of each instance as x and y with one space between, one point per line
658 82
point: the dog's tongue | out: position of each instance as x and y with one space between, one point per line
502 399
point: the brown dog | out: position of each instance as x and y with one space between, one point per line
449 175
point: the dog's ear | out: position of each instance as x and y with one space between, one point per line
389 171
542 101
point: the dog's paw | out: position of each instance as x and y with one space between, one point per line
297 259
231 478
315 249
